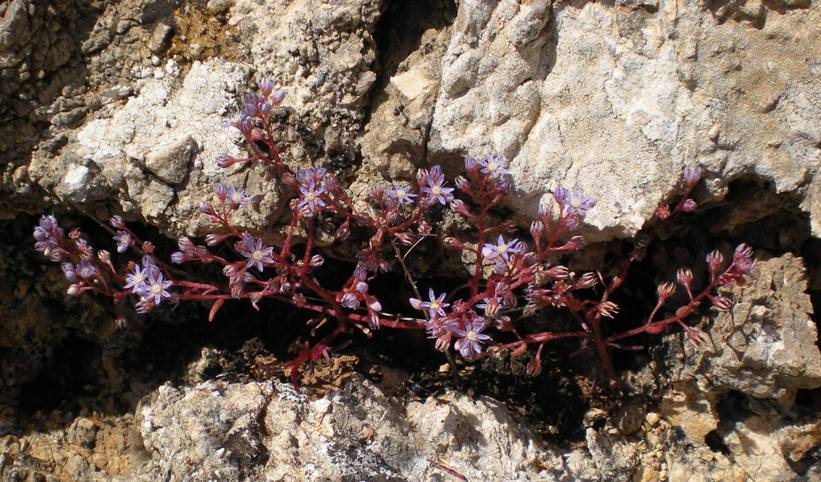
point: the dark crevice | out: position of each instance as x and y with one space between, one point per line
716 444
161 346
400 29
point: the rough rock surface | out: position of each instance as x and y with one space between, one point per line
741 388
116 107
615 99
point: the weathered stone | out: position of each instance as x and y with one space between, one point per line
160 37
171 161
614 102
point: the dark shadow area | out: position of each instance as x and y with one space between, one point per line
752 213
67 356
400 29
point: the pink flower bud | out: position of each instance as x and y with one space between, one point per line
462 184
558 272
685 277
665 290
688 205
608 309
714 260
588 280
536 229
663 211
692 175
453 243
117 222
722 303
534 368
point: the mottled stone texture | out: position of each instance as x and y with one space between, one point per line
115 107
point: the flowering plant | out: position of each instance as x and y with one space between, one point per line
509 274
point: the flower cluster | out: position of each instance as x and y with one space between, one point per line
511 270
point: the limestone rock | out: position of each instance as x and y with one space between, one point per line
741 388
615 102
171 161
765 346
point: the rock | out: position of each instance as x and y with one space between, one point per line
616 107
355 433
765 346
217 7
171 161
739 390
160 37
395 138
323 54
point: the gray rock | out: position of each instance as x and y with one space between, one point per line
765 347
740 388
160 37
171 161
616 103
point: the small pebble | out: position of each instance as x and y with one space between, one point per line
652 418
714 132
155 61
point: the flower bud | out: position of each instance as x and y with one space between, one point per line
722 303
665 290
453 243
588 280
68 270
458 206
558 272
714 260
361 287
688 205
692 175
663 211
577 242
471 164
117 222
277 97
608 309
443 342
462 184
536 229
266 86
373 304
73 289
685 277
350 301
